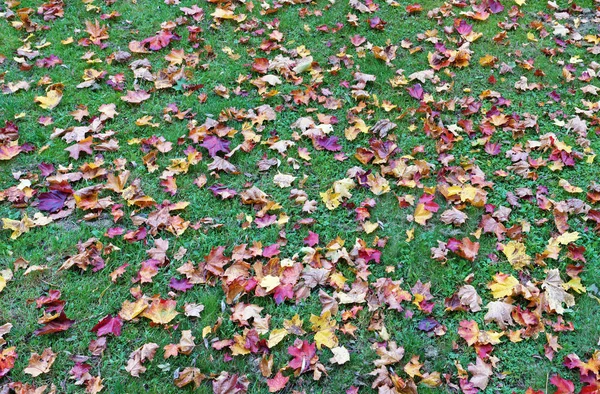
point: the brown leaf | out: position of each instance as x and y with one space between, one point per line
481 373
40 364
499 312
138 356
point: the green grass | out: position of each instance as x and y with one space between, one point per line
91 296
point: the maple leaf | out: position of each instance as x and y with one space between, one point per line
390 354
161 311
481 373
215 145
469 297
108 325
54 94
260 65
144 353
189 375
8 357
215 261
421 214
18 227
40 364
277 383
159 251
130 310
329 143
180 284
221 164
227 383
10 150
516 254
563 386
499 312
302 353
469 331
52 201
555 294
135 96
340 355
503 285
59 324
84 145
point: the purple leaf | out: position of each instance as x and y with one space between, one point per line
52 201
215 145
416 91
329 143
180 284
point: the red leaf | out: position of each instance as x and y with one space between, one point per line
261 65
312 239
563 386
7 360
61 323
108 325
302 352
277 383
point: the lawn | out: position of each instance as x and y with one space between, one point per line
299 197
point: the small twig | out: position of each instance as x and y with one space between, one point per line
104 291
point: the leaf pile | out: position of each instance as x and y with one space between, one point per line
292 195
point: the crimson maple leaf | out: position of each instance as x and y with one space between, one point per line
302 353
108 325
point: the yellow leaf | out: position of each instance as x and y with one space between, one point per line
269 282
520 2
18 227
516 254
326 338
370 227
410 235
52 98
161 311
487 60
568 187
575 284
422 215
567 238
503 285
2 283
468 193
130 310
276 336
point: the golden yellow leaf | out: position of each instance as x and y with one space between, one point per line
422 215
276 336
503 285
326 338
516 254
53 96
